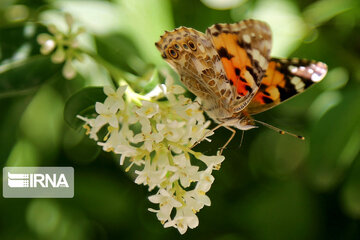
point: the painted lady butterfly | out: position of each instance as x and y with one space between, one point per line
230 69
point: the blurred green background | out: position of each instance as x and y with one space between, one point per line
273 187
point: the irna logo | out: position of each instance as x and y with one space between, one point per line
38 182
16 180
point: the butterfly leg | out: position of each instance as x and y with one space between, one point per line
228 141
211 131
198 103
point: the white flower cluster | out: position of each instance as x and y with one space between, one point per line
64 46
156 136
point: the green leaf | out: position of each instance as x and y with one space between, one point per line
82 103
322 11
334 143
19 78
79 147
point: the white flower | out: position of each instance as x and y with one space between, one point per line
89 126
211 161
107 114
158 137
184 218
205 181
166 202
150 176
171 88
47 43
189 110
115 98
125 151
64 45
195 132
69 71
59 55
196 199
147 137
148 109
184 171
171 130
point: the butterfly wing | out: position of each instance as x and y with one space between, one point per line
244 50
193 56
284 79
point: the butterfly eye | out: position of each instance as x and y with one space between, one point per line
173 53
192 45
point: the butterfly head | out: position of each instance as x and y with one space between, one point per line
240 121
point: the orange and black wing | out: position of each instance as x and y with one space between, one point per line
284 79
244 49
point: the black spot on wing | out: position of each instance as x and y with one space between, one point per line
243 44
267 100
237 71
218 27
287 92
248 88
224 53
242 79
307 82
263 87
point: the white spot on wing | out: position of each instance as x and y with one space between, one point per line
260 58
298 83
319 72
295 80
246 38
247 75
293 69
316 77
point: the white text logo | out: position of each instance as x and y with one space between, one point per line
18 180
38 182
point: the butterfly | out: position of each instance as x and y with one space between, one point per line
230 69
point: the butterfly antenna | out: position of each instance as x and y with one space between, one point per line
282 132
242 138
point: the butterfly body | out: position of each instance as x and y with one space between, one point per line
230 69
